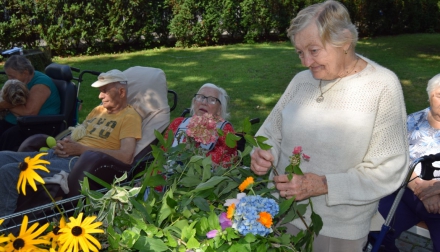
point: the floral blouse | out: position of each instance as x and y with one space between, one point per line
422 138
221 154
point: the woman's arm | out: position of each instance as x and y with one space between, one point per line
37 97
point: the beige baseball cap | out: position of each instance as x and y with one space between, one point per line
110 77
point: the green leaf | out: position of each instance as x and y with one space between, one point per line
190 181
172 242
159 137
202 204
247 127
285 205
209 184
165 211
98 180
297 170
113 238
251 140
193 243
149 244
231 140
129 238
207 166
301 208
142 210
317 222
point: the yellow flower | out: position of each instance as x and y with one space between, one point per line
246 183
3 238
26 239
54 235
76 235
231 211
28 173
265 219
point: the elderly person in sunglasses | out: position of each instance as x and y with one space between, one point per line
213 100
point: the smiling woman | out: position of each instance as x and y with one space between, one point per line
348 113
210 103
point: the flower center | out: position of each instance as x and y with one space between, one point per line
18 244
23 166
76 231
56 230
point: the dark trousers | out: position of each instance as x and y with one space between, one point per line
410 211
11 135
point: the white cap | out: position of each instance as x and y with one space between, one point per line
110 77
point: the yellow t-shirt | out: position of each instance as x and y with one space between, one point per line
105 131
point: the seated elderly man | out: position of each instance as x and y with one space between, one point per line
112 127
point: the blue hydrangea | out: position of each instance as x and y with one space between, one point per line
247 213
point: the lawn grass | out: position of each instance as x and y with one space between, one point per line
255 75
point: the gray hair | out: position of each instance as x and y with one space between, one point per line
331 18
19 63
433 84
222 96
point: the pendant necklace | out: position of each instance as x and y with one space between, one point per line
321 96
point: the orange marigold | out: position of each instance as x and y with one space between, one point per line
231 211
265 219
246 183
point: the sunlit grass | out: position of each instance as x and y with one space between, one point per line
256 75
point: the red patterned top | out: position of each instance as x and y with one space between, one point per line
221 154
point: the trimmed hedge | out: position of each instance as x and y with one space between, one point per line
70 27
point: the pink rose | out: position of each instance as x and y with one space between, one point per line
297 150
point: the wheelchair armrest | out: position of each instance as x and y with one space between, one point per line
39 119
98 164
33 143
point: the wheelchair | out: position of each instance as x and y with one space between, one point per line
427 173
148 94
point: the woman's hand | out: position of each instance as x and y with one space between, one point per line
426 189
301 186
432 204
261 161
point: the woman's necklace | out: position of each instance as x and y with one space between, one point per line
321 96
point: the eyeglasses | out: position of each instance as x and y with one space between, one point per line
209 99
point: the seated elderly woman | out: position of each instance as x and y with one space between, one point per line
421 199
43 99
210 99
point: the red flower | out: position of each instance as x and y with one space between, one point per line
297 150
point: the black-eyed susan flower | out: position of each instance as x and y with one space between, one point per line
3 238
75 236
27 239
54 235
28 174
249 181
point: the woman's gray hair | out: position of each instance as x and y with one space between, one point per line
222 96
331 18
19 63
433 84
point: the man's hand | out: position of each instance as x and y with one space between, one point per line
261 161
66 147
432 188
301 186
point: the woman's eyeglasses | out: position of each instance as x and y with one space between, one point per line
209 99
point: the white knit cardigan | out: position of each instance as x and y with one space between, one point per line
356 137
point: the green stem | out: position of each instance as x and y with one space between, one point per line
53 200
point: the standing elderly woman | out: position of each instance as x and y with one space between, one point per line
418 203
348 114
213 100
43 99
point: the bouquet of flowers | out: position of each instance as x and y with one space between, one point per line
198 207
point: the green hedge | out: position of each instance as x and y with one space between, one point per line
70 27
